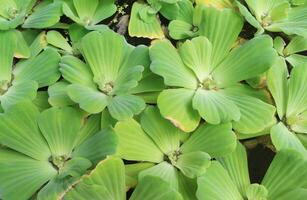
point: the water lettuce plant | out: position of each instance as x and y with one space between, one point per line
43 149
113 68
203 87
177 156
153 100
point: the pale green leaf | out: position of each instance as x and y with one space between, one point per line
134 144
176 106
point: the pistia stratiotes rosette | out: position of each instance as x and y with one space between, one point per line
228 178
290 96
276 16
20 81
177 156
89 14
42 149
113 68
107 181
203 77
144 20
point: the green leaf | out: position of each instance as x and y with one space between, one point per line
163 170
22 49
277 84
187 187
283 176
89 99
18 92
296 59
7 48
90 126
104 10
98 146
106 181
125 106
140 28
300 125
196 54
256 115
134 144
32 69
75 167
153 187
176 106
53 125
26 137
216 184
180 30
249 17
219 25
45 16
297 44
85 9
104 52
56 39
236 165
282 138
214 107
23 174
166 60
193 164
297 99
58 95
54 188
216 140
243 61
75 71
160 130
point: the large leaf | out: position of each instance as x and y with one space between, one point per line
84 9
155 188
76 71
89 99
21 91
216 140
256 115
166 60
236 165
161 131
125 106
282 138
7 48
214 107
283 176
277 84
44 16
165 171
57 39
176 106
19 131
104 10
193 164
106 181
134 144
297 99
221 27
243 62
44 68
216 184
98 146
196 54
104 51
60 137
58 94
23 174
